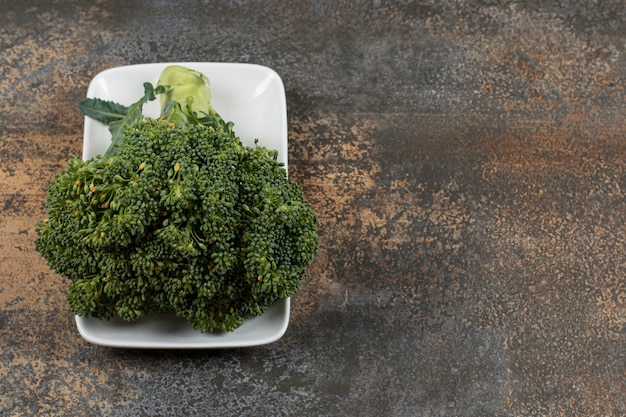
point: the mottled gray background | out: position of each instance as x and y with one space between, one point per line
466 160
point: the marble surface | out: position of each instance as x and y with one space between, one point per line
465 158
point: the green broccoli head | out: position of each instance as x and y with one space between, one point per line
183 219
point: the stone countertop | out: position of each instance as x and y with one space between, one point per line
466 161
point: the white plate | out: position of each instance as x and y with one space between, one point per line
253 98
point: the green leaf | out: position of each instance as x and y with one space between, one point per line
103 111
118 116
133 115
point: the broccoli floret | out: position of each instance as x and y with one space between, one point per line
181 218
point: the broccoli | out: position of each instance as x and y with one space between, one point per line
177 216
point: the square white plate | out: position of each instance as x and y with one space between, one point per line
253 98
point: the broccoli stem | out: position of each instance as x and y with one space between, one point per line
187 95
